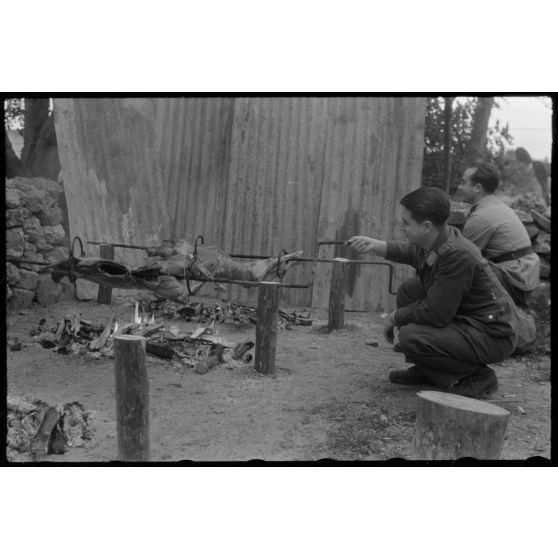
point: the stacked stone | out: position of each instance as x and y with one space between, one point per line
35 218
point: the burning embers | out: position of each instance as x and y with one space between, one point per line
74 335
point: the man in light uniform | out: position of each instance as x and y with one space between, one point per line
498 232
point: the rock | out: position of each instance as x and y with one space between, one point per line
541 247
50 214
27 279
30 254
526 332
44 185
54 235
545 269
67 289
459 213
542 221
13 199
57 254
34 200
524 217
47 291
14 243
21 298
532 230
12 273
9 293
42 246
33 230
16 217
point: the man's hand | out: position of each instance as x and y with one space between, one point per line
365 244
362 244
389 327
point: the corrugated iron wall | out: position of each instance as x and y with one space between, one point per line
114 188
373 156
194 151
253 175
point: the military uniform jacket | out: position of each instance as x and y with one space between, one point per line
459 285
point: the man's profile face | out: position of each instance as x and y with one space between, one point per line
468 190
414 232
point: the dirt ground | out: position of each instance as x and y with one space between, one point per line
329 398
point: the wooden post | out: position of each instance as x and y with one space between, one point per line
448 101
266 327
451 426
132 398
104 295
336 318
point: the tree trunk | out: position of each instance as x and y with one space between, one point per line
35 116
14 166
447 142
40 150
450 426
477 143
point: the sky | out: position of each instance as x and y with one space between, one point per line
530 123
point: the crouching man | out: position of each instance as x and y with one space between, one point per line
454 317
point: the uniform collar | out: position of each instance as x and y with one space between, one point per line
441 238
483 201
432 255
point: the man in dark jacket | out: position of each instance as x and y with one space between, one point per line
454 317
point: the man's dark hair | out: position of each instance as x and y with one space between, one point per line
486 175
427 204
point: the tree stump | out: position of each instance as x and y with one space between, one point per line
132 398
266 327
451 426
104 295
336 316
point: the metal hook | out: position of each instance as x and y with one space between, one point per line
199 237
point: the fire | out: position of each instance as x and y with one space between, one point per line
137 319
115 327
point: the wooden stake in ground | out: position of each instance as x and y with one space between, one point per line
132 398
336 318
104 295
451 426
266 327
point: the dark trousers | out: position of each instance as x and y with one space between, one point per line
447 354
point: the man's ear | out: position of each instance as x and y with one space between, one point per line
428 226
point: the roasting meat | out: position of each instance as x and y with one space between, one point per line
171 266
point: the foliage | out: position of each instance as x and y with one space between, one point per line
13 113
461 128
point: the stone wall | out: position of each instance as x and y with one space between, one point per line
36 230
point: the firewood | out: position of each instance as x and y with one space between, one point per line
40 442
151 330
159 349
18 404
127 329
99 343
60 330
211 361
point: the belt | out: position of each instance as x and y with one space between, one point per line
512 255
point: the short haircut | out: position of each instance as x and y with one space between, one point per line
428 204
486 175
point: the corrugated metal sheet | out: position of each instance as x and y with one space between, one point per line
194 150
373 157
111 173
275 179
253 175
